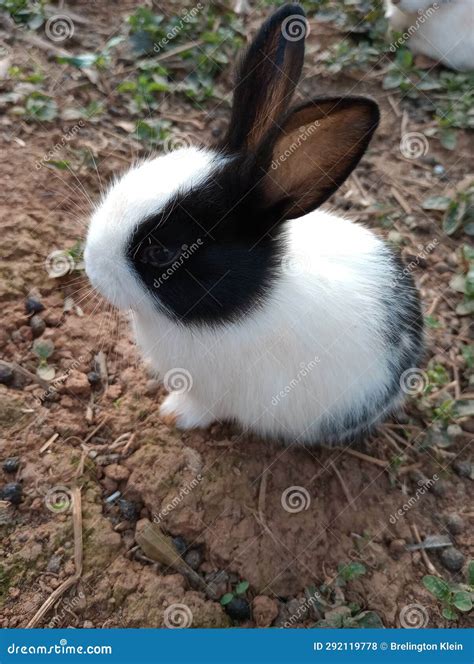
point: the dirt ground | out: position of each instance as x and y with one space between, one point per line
218 493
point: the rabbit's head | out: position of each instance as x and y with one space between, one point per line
198 234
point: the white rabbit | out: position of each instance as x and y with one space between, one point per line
251 304
442 30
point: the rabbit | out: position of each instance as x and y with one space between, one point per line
442 30
253 305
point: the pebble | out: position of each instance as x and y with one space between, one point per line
116 472
33 305
77 384
217 582
6 375
37 325
452 559
265 610
455 524
54 564
193 558
441 268
94 378
454 431
12 492
238 609
397 547
439 169
129 510
462 468
180 544
152 387
11 464
440 488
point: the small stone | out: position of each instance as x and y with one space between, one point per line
439 169
193 558
180 544
54 564
238 609
397 547
6 375
462 468
13 492
441 268
33 305
265 610
217 582
455 524
11 464
152 387
37 325
94 378
440 488
454 431
129 510
116 472
78 384
452 559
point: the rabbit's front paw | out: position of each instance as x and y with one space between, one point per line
180 410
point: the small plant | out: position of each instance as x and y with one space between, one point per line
239 591
454 597
43 349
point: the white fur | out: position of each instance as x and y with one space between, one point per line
442 30
317 339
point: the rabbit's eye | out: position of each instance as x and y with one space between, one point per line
158 255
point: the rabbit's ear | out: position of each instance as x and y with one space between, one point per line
267 78
318 146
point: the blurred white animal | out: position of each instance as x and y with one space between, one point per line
442 30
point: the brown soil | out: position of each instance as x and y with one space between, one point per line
234 514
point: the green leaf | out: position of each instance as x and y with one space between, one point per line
453 217
449 613
437 587
79 61
436 203
462 601
432 322
241 587
392 80
351 571
225 599
448 138
470 573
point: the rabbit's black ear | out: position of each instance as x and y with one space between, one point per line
318 146
267 78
